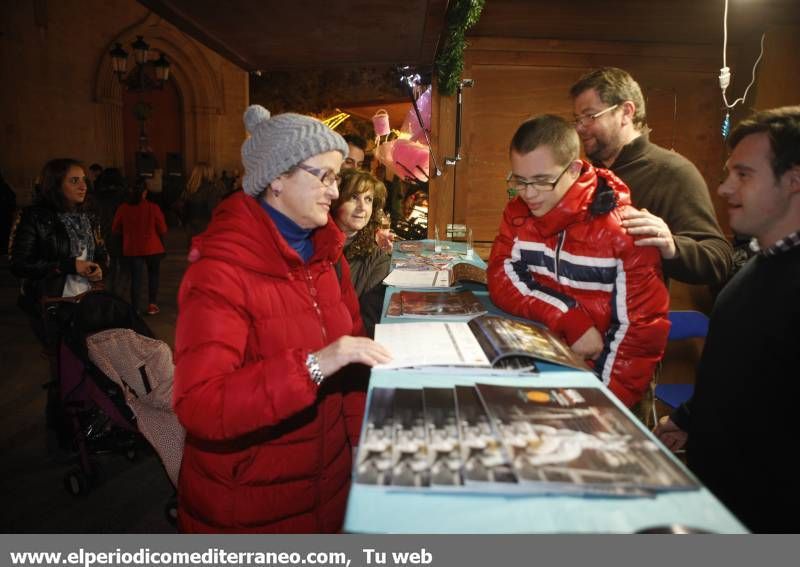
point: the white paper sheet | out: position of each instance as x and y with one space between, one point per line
418 278
430 344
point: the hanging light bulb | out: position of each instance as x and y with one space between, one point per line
143 77
119 60
162 68
140 49
726 125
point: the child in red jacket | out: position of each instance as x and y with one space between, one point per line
563 258
142 226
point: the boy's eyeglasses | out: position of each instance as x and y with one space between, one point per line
517 184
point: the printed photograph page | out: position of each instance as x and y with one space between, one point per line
466 272
578 440
501 338
483 456
461 305
376 449
441 424
430 344
418 278
410 465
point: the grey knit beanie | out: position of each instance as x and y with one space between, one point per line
278 143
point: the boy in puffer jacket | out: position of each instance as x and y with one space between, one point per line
563 258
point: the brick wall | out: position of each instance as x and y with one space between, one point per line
51 57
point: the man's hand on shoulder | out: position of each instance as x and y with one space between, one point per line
650 230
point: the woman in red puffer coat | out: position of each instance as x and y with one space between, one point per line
142 226
264 381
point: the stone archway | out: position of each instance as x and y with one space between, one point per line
198 86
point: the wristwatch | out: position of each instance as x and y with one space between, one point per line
314 371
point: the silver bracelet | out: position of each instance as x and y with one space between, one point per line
314 371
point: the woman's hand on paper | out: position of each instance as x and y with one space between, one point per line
347 350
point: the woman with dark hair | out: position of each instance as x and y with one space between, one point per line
56 250
358 213
142 226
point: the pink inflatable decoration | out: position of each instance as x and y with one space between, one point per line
407 159
411 123
380 122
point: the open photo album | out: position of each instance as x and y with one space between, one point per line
434 277
486 341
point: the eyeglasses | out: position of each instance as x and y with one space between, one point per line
586 119
326 176
517 185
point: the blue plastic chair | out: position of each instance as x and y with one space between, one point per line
685 325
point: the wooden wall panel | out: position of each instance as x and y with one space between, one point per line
779 77
517 78
500 100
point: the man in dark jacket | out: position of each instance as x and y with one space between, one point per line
675 211
739 427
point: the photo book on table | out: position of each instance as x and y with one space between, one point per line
577 440
486 341
427 275
436 304
517 440
413 246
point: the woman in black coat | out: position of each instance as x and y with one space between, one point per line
55 250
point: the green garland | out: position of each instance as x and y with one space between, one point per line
462 15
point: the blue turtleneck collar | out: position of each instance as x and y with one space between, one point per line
297 237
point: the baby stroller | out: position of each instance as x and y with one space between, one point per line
115 382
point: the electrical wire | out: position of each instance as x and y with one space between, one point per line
725 72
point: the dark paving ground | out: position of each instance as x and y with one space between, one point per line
132 496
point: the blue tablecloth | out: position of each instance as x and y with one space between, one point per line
456 249
374 509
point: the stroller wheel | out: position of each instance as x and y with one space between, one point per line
76 482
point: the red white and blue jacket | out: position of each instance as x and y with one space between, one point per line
575 268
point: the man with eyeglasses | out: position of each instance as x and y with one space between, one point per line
563 258
674 213
356 151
